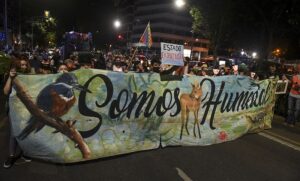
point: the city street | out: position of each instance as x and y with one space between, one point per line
252 157
218 81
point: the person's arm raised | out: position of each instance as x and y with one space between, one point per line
8 84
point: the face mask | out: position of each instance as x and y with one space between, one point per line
22 70
156 69
45 66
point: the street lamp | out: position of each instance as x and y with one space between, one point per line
46 13
179 3
243 52
117 24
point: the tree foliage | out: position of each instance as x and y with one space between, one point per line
253 25
217 16
197 19
45 31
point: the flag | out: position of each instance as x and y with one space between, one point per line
146 38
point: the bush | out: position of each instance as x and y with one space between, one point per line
4 63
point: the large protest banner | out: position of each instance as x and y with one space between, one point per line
172 54
89 114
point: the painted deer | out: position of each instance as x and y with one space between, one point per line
191 103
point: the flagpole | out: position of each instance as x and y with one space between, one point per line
147 49
136 48
133 55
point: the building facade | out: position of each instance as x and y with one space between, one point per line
168 24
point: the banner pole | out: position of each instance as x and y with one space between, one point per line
133 55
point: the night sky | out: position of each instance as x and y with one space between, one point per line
78 15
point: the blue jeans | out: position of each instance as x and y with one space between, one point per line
293 110
13 144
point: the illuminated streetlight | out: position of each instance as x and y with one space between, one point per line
254 55
243 52
46 13
180 3
117 24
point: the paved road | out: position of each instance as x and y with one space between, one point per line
253 157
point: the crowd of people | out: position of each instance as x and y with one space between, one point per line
41 62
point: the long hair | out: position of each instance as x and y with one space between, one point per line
19 67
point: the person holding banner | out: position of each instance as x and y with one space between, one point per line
23 67
294 100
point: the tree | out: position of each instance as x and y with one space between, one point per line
270 15
197 19
45 31
217 16
293 25
253 25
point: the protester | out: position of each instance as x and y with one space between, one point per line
272 73
216 71
204 72
117 66
109 61
35 63
87 64
222 71
42 63
252 74
294 100
235 70
155 63
70 64
23 67
63 68
46 67
100 63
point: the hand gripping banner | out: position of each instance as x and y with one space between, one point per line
90 114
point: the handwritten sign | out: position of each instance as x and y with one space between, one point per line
172 54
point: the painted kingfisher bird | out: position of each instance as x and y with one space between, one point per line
56 100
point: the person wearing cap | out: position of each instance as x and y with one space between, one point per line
294 100
252 74
216 71
46 67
